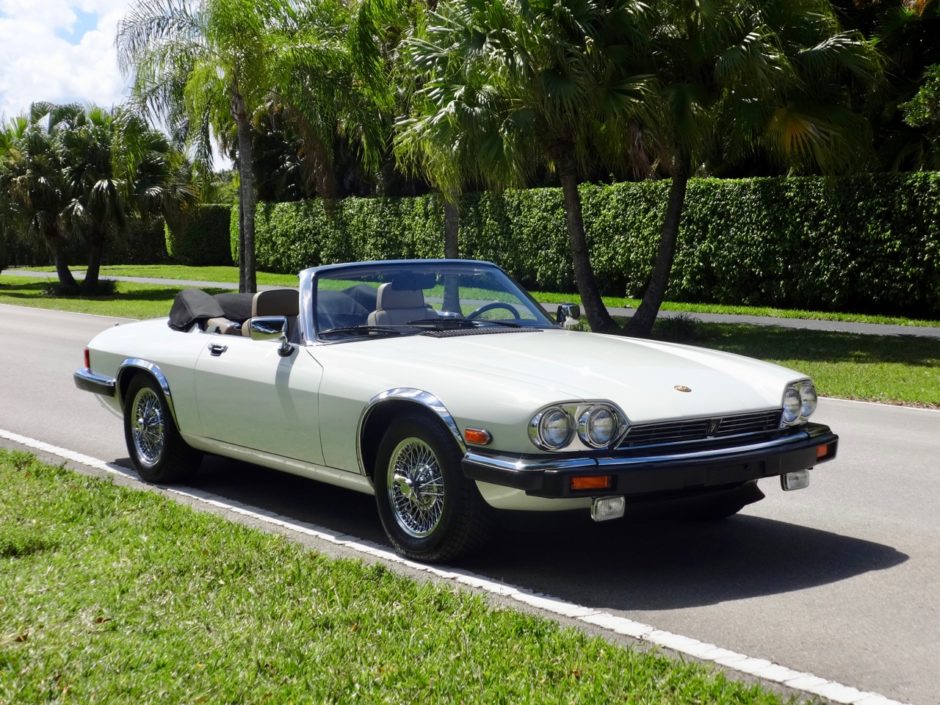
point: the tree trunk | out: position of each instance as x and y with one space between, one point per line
451 229
247 281
598 317
451 251
54 245
641 325
95 249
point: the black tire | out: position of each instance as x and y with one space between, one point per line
158 452
431 512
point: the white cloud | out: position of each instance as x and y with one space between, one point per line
59 51
62 51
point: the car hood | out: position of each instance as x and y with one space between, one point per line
646 379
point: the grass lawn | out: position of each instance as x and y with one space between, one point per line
129 301
892 369
111 595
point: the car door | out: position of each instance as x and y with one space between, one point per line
250 396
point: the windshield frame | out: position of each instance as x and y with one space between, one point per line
309 281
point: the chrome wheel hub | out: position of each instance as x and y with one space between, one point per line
415 487
147 430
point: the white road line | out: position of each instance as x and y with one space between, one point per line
760 668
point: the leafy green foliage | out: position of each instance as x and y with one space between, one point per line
868 243
200 236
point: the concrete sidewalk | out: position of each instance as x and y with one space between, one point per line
800 323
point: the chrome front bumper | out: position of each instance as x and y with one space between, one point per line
631 475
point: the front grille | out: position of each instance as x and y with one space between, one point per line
690 430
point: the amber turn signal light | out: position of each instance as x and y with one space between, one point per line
477 436
822 452
592 482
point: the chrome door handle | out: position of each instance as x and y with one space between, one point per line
215 349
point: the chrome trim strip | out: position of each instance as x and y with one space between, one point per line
156 373
522 465
88 381
306 305
499 462
416 396
705 454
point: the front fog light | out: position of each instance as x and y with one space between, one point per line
808 397
598 426
605 508
792 403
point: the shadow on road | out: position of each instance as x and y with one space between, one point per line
627 564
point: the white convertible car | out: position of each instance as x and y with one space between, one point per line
442 388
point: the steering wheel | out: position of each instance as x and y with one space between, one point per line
492 306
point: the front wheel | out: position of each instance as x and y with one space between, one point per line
429 510
157 451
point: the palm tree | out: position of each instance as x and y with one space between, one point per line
203 66
115 167
448 135
198 66
523 82
32 181
735 77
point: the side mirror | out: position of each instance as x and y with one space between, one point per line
566 312
271 328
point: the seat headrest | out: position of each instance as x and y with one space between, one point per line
391 298
276 302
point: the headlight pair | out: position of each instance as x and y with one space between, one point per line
799 402
597 425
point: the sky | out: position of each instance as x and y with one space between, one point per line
59 51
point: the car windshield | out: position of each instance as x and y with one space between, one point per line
377 300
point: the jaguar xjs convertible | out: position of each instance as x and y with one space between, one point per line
446 391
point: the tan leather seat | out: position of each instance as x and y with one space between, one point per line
395 307
273 302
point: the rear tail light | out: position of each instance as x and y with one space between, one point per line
87 359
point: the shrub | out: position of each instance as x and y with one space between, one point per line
199 236
866 243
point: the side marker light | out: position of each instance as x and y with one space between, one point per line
477 436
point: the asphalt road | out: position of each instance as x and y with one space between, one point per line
841 580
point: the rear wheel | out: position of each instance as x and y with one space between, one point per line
429 510
157 451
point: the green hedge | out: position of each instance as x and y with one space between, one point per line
200 236
142 243
867 243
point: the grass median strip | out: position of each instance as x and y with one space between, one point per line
889 369
116 595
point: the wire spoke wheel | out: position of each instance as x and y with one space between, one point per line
156 448
415 485
430 511
148 426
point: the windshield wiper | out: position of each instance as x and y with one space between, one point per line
361 330
442 322
506 324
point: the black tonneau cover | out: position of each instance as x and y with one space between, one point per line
192 306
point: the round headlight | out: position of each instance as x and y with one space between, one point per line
598 426
791 405
808 396
554 428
